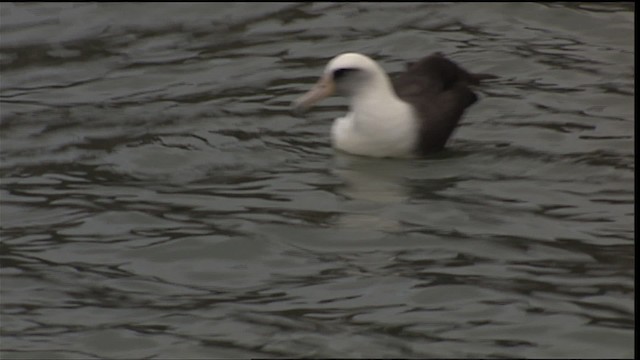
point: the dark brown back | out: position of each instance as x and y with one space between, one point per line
439 91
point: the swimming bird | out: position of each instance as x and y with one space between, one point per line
413 115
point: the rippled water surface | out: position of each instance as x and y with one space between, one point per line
159 200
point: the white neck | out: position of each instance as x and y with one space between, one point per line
378 124
376 103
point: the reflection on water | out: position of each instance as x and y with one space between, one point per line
159 199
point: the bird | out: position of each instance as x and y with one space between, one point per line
410 116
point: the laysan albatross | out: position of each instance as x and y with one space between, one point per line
413 115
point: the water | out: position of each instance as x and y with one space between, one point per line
159 200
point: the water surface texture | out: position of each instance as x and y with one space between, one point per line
160 200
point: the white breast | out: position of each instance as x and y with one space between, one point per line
384 128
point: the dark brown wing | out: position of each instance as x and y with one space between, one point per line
439 91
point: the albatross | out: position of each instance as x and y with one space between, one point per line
413 115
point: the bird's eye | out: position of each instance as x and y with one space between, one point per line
340 73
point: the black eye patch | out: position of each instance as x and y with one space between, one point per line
340 73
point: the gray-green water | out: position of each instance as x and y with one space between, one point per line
159 200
